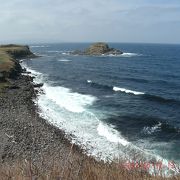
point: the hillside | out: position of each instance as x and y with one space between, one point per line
9 55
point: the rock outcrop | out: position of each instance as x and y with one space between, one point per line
9 55
98 49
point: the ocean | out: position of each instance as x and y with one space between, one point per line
125 106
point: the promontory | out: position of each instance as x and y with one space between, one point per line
9 54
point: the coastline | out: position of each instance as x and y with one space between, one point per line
23 132
26 137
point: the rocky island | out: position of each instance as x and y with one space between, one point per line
98 49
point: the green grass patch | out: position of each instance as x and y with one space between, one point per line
3 86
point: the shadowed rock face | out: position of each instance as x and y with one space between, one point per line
98 49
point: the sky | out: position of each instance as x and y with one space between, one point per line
49 21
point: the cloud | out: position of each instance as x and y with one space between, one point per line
95 20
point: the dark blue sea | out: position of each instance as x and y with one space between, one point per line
113 106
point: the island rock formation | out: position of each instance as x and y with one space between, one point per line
98 49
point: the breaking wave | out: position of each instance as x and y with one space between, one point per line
64 60
151 130
38 46
71 101
111 134
149 97
127 91
130 54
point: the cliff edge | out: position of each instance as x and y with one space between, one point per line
9 55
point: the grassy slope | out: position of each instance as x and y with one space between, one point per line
9 66
8 54
6 62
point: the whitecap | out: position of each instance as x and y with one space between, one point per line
89 81
38 46
111 134
127 91
64 60
130 54
124 55
71 101
151 130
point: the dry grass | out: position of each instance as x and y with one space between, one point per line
73 167
7 53
6 62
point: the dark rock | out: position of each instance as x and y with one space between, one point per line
38 85
14 87
98 49
2 77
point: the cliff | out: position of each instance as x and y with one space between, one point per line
9 55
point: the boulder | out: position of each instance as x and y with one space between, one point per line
38 85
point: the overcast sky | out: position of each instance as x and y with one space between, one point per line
29 21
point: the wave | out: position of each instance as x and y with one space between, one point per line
38 46
99 86
113 88
122 55
153 129
127 91
111 134
66 53
130 54
144 95
71 101
33 72
54 51
89 81
64 60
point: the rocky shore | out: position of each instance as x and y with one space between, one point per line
23 134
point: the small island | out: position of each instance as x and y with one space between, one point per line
98 49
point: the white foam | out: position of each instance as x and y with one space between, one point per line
151 130
111 134
33 72
127 91
129 54
71 101
40 46
54 51
123 55
65 60
89 81
65 53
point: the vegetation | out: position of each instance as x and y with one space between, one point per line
73 167
6 62
9 67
